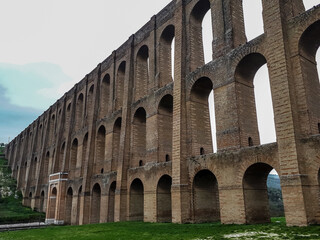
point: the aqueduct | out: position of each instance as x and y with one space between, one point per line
131 141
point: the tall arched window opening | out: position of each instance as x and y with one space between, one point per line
73 158
68 207
116 144
79 111
142 72
207 37
164 213
138 137
120 85
84 154
196 37
200 117
104 95
90 103
256 119
165 118
253 19
100 149
309 61
166 55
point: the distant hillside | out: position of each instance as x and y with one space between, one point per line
273 181
275 196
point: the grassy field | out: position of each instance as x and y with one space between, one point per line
11 209
139 230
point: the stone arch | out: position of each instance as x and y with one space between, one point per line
164 212
68 206
59 159
141 72
52 203
84 154
73 158
196 38
120 84
136 201
42 199
45 168
90 103
78 205
256 193
104 95
166 56
165 118
116 143
138 143
205 191
100 148
79 111
67 115
200 117
309 43
245 73
95 204
111 201
33 172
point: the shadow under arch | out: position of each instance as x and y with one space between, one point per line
205 191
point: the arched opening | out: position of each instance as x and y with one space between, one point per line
30 195
165 118
142 72
111 199
52 206
310 3
51 128
309 54
253 20
136 202
73 158
140 163
42 202
116 144
207 37
206 205
33 175
90 103
45 168
255 190
84 153
256 119
166 55
68 206
200 117
138 137
79 111
120 85
164 213
95 204
78 205
104 95
59 160
196 37
67 116
100 148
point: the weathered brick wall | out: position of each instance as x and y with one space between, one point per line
135 142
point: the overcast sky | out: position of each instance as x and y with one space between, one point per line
48 46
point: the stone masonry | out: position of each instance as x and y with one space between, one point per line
132 142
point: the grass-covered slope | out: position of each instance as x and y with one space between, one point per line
167 231
11 209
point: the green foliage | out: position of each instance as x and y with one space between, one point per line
275 202
11 209
167 231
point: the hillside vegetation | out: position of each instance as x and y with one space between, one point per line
11 209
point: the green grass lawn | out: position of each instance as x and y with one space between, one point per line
11 209
139 230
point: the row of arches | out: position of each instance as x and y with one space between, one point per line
205 198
